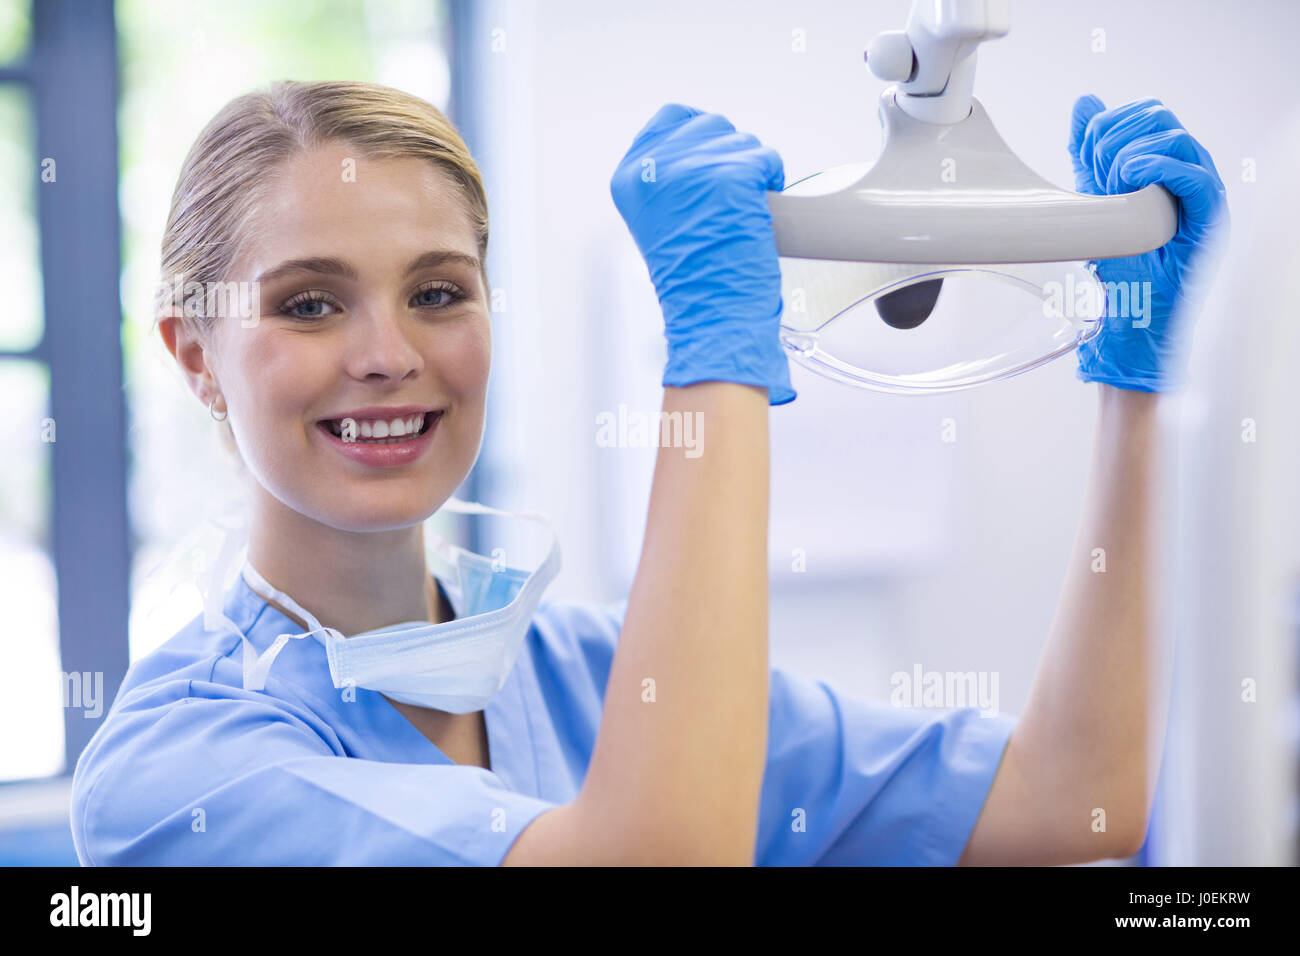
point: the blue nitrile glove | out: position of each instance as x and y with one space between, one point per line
693 193
1120 151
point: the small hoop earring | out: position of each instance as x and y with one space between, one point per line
212 412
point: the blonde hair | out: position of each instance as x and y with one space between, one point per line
233 161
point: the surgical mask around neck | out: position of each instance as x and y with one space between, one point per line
456 666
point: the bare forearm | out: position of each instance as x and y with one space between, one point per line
677 767
1090 700
1085 740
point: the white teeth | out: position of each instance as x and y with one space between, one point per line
379 431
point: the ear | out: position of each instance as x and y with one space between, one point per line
191 353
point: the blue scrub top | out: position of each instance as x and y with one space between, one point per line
189 768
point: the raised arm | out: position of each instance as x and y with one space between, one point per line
677 769
1085 753
1086 739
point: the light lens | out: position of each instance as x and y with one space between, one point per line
928 328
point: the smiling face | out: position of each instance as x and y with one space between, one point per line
381 331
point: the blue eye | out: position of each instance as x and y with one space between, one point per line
453 294
312 298
306 305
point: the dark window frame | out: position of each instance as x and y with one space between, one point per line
70 73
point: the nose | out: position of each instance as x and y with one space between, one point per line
380 348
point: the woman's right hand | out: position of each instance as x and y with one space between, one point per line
693 193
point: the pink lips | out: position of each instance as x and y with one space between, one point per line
386 412
392 455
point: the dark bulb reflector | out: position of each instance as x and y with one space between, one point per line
910 306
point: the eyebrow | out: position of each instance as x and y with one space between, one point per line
328 265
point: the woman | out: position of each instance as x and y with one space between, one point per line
463 720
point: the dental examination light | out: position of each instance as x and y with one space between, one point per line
948 263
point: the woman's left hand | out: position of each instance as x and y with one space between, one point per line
1118 151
